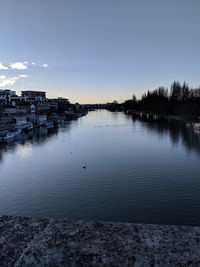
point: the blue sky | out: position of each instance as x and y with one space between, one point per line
98 50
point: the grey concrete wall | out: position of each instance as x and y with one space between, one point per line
52 242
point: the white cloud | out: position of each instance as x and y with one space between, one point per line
7 81
19 66
22 65
23 76
2 67
45 65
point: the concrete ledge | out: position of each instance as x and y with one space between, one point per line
62 242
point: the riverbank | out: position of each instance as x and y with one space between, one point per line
189 121
185 119
62 242
14 132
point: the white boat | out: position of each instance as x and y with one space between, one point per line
9 135
155 117
196 126
188 125
2 135
49 124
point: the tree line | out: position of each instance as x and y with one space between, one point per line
180 99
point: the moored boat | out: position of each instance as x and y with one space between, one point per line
155 117
196 126
49 124
10 135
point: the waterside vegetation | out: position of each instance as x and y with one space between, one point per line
179 100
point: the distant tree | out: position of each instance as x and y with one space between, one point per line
134 99
181 100
185 92
175 94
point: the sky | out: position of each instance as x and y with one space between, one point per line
97 51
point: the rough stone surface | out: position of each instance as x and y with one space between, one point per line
54 242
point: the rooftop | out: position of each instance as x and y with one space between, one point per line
32 91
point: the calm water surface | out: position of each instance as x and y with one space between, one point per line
136 171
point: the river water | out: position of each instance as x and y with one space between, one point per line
136 171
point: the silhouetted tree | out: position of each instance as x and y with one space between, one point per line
181 100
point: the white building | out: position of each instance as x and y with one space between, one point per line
8 96
33 96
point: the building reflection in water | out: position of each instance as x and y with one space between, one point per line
23 145
177 132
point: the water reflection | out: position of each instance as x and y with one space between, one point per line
23 144
137 171
176 130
